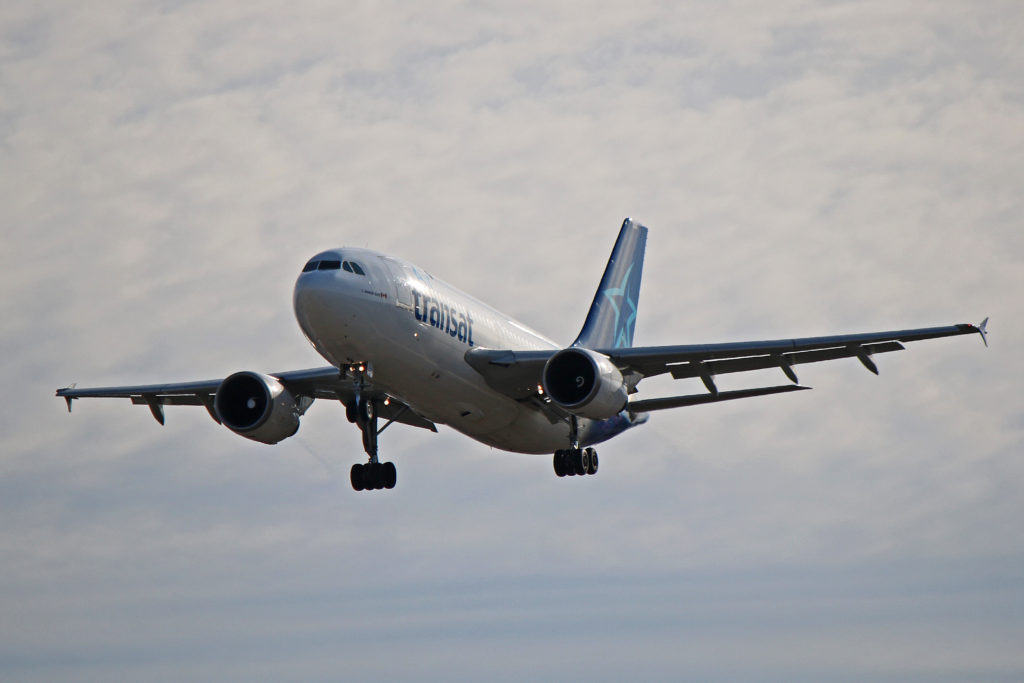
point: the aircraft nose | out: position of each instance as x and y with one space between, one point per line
312 293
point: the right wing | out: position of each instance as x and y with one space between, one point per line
305 385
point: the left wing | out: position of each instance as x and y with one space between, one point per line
518 373
305 385
707 360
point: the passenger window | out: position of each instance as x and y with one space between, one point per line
356 269
311 266
346 266
329 265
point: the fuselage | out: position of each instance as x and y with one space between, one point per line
413 331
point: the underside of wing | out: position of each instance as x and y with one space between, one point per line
668 402
304 385
707 360
516 374
522 374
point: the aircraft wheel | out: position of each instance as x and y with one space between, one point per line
559 462
389 475
593 461
376 478
569 458
350 412
581 461
356 476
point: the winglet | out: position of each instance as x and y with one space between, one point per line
67 399
983 332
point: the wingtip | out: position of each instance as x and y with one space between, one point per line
981 329
62 393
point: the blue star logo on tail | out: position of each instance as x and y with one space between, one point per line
617 297
612 317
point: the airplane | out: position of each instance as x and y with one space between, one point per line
406 347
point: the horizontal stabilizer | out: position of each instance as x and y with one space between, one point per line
697 399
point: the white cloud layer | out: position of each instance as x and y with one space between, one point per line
804 168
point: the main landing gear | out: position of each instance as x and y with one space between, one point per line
574 460
374 474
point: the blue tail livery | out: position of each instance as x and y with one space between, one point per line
612 317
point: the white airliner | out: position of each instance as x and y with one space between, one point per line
406 347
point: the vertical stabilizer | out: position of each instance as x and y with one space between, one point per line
612 316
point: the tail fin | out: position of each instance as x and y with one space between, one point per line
612 316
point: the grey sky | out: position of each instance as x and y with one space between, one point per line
805 168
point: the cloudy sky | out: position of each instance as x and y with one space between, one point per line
805 168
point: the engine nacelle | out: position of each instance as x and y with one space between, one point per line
585 383
257 407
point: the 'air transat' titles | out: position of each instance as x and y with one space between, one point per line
444 317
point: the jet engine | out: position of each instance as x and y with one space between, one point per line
584 383
257 407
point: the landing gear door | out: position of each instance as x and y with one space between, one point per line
400 281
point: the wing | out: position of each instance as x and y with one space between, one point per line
707 360
305 385
518 373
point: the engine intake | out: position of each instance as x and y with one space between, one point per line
257 407
585 383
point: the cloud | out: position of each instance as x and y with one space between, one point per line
804 168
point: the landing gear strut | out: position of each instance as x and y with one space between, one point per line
574 460
374 474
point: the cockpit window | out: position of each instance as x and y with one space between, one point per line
334 264
352 267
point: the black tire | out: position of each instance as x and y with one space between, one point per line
593 461
585 460
350 412
577 462
389 475
356 477
373 476
559 461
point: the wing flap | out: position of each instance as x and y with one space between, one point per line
170 399
783 360
668 402
655 360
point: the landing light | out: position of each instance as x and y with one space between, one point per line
540 390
